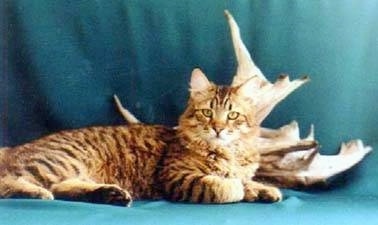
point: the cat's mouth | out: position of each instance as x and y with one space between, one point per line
220 139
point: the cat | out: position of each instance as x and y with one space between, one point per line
209 158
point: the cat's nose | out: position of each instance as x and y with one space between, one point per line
217 130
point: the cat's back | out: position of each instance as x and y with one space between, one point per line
147 138
92 146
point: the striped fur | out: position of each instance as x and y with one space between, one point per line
125 157
209 159
212 159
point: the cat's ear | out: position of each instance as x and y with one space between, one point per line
199 82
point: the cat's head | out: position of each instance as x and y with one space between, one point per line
218 114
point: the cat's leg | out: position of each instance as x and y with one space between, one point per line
18 187
89 191
255 191
213 189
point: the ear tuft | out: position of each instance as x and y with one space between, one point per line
199 81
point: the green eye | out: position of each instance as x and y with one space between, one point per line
207 112
233 115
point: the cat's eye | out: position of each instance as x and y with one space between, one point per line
233 115
207 112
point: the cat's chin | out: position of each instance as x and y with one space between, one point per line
219 141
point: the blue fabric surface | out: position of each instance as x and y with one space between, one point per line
61 62
295 209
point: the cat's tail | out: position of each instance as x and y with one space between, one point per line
127 115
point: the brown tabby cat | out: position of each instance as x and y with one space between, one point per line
208 159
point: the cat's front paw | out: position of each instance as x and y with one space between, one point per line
254 191
110 194
39 193
222 190
269 194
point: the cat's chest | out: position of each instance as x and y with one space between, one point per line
220 165
230 165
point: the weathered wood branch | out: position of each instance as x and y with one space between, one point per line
266 94
287 160
307 168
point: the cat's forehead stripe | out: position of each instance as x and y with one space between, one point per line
222 93
221 98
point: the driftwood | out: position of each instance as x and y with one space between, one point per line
287 160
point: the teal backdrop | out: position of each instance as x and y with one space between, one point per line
61 61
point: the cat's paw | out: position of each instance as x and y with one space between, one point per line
39 193
250 194
45 195
222 190
269 194
110 194
254 191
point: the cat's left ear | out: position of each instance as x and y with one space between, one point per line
199 82
248 88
